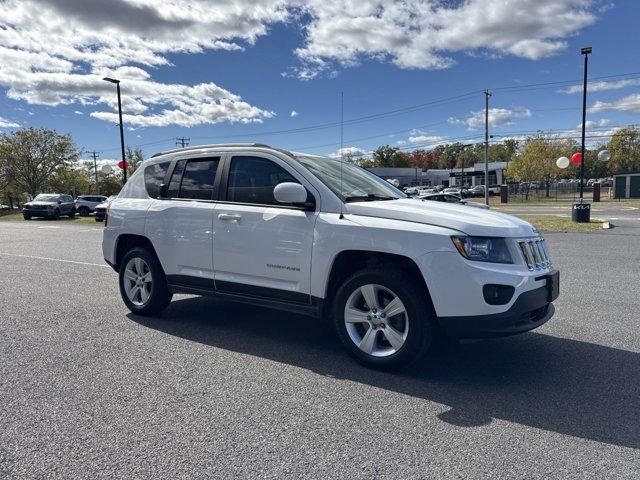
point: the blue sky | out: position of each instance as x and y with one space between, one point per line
239 75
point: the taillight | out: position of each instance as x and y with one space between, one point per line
106 215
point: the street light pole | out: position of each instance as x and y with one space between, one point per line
124 160
585 51
487 94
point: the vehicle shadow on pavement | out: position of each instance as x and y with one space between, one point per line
556 384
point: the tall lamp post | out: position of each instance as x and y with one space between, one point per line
124 160
581 212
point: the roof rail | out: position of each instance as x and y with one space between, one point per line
198 147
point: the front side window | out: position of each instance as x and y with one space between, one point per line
154 177
350 182
252 180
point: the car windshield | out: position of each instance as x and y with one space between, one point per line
111 198
353 183
46 198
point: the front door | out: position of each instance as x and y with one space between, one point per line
180 226
261 248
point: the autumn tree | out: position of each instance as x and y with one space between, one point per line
29 157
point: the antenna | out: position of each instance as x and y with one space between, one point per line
341 147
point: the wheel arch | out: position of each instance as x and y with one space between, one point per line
347 262
126 242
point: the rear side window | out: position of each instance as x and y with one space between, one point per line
193 179
252 180
154 177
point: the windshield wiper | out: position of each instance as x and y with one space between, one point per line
368 198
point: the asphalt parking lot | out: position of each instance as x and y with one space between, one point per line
217 390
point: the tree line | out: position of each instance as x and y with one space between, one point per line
530 159
37 160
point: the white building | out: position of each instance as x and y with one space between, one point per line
472 175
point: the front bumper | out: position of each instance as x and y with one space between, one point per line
530 310
38 213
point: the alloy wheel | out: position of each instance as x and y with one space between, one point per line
376 320
138 281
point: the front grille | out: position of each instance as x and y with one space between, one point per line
535 253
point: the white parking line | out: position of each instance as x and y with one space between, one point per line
54 259
49 227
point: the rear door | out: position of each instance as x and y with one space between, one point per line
262 248
180 226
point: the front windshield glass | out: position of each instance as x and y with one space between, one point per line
46 198
357 183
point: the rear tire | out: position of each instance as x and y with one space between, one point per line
397 331
143 285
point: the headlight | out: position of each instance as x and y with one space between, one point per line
483 249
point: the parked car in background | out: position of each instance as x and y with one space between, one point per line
4 207
49 205
591 181
100 212
85 204
494 189
459 192
476 191
606 182
444 197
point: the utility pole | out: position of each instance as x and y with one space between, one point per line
487 94
182 141
95 168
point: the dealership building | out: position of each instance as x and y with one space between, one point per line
409 177
626 185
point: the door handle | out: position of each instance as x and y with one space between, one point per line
226 217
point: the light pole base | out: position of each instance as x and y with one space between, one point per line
581 212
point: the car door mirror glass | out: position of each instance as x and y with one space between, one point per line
289 192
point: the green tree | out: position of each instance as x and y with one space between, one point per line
110 184
625 150
134 158
70 180
537 161
386 156
29 157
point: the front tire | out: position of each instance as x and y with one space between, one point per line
83 211
56 214
72 213
383 317
143 285
27 217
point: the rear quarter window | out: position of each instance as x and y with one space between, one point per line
154 177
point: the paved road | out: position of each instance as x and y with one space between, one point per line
215 390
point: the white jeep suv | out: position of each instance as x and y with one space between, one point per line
317 236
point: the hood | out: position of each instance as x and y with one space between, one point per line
472 221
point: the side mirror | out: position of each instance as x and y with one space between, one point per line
163 191
59 202
289 192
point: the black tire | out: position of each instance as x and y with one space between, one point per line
98 219
27 217
159 297
56 214
72 213
420 314
84 211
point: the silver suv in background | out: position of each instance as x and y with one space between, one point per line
86 204
100 212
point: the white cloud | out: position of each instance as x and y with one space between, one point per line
428 139
422 33
78 112
497 117
603 122
601 86
630 103
293 113
348 151
4 123
57 51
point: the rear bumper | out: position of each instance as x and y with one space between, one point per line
530 310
